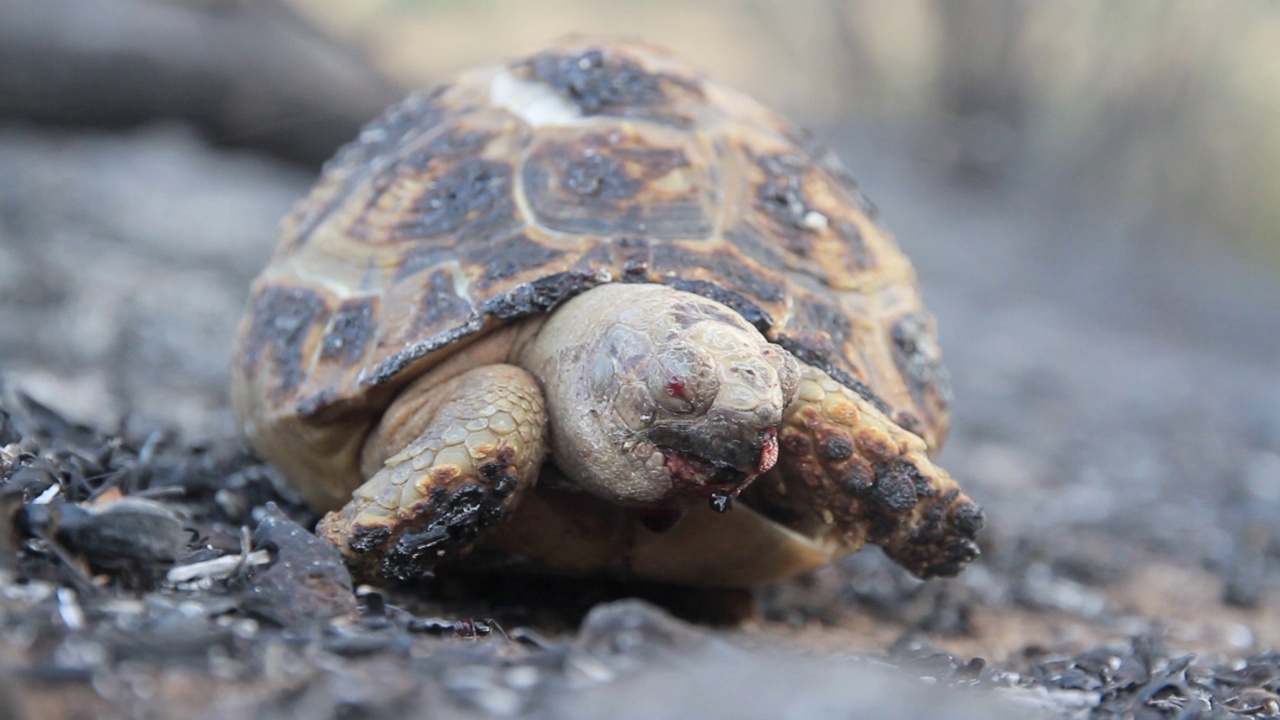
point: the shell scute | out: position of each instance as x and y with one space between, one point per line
501 260
798 206
472 198
284 323
723 265
824 324
627 181
454 185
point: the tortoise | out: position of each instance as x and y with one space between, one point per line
589 312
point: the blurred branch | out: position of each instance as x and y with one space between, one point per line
249 74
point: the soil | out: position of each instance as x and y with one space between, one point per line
1117 415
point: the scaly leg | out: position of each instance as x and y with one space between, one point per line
848 473
448 460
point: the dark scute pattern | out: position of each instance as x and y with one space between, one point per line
379 138
377 142
851 236
782 198
441 304
541 295
422 257
755 246
814 314
473 196
501 259
537 297
781 194
635 256
826 159
454 143
596 185
598 83
599 175
728 269
739 304
349 331
388 369
919 360
282 320
318 405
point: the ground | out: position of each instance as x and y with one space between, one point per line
1117 414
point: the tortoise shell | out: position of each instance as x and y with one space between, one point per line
516 187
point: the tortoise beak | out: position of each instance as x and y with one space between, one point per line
733 447
728 463
768 450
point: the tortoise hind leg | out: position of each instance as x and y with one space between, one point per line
848 473
448 461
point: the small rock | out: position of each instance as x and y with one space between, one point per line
307 582
630 632
128 532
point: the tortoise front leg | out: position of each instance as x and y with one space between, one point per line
848 473
448 461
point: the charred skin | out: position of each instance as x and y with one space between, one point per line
847 472
475 444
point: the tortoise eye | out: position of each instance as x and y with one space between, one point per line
682 385
675 395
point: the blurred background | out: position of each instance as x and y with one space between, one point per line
1155 107
1088 190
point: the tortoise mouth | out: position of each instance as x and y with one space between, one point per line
693 475
697 477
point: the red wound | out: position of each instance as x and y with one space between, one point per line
769 449
675 387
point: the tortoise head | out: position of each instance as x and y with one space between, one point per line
660 397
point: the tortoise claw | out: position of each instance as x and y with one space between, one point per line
848 472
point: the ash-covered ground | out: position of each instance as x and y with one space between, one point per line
1117 413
